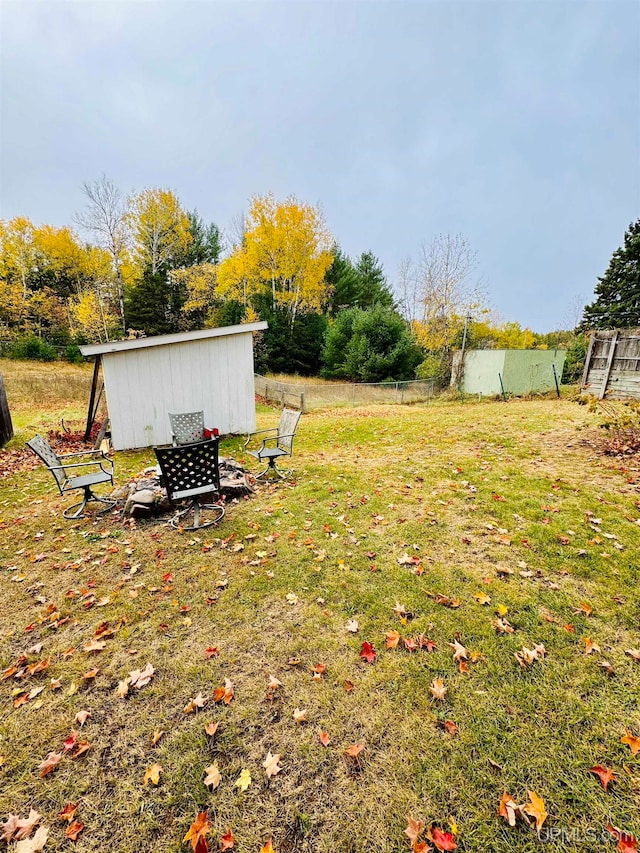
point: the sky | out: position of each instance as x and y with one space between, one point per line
515 124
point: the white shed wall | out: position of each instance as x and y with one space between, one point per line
143 385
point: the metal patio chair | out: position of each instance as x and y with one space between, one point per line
190 472
280 443
187 427
67 481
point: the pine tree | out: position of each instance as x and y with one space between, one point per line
617 303
374 288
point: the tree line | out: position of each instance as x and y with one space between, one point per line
145 265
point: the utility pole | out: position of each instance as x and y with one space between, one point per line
467 319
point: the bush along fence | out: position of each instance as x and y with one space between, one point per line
307 395
32 348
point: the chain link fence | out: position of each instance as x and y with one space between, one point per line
317 395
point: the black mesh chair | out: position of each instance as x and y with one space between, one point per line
190 472
76 475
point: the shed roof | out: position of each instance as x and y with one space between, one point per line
176 338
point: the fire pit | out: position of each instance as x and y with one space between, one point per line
144 496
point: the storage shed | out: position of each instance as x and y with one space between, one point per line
522 371
146 378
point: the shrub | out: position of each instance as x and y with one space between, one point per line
33 348
73 355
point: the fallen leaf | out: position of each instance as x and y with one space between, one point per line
438 689
69 743
414 829
155 737
81 717
482 598
535 808
211 728
627 843
632 742
224 694
273 684
508 808
139 678
367 652
354 750
49 763
68 812
393 638
459 651
634 654
267 848
23 827
227 841
590 646
352 625
213 776
450 727
90 674
604 774
74 829
243 781
300 716
197 832
195 704
33 845
270 764
324 738
152 774
442 839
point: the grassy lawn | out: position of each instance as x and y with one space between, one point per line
446 523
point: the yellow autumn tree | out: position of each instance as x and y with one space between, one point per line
17 252
93 317
286 251
159 228
198 283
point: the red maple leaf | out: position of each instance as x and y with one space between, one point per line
368 652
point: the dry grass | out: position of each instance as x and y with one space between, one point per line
449 483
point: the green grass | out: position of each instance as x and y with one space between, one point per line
450 483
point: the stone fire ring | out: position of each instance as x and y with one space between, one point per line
144 497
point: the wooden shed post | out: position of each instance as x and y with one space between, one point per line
6 426
607 371
92 398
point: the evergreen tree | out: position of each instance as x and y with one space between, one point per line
369 345
206 243
147 305
617 303
373 288
344 281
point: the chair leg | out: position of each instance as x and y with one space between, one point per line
274 468
195 506
87 497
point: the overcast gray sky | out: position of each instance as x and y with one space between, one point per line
514 123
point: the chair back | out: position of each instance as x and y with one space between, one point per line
187 427
189 469
287 428
42 448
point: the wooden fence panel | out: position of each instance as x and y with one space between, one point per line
612 366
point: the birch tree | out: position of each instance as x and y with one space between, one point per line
160 229
105 218
286 252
